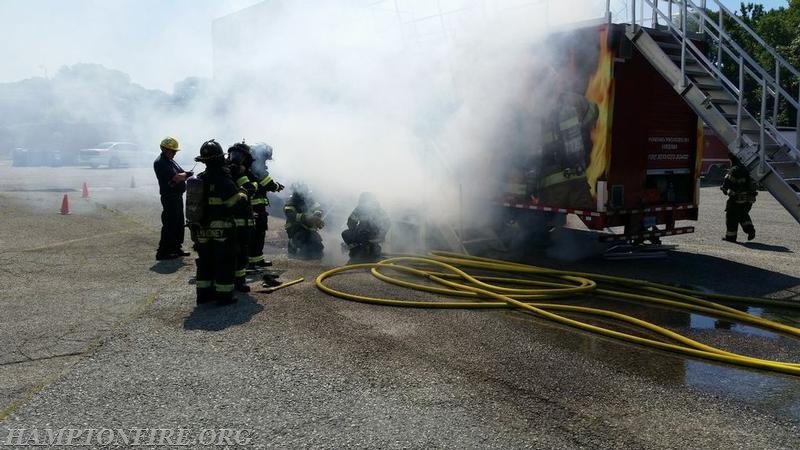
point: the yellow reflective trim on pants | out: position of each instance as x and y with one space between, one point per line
223 287
240 273
204 284
255 259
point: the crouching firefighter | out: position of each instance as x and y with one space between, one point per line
211 199
239 160
303 219
259 174
366 230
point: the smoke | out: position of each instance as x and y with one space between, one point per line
408 99
363 96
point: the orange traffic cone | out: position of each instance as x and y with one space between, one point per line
65 205
85 191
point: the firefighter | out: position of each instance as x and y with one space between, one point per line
216 233
303 220
171 186
566 149
239 160
259 174
366 230
741 192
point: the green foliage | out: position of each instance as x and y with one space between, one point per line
779 29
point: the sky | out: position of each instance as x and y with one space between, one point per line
156 42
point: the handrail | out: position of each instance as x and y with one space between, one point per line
729 41
755 36
728 46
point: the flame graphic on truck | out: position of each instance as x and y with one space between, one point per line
600 91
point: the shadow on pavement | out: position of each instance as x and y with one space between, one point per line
216 318
766 247
683 269
167 266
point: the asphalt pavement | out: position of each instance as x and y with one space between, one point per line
96 334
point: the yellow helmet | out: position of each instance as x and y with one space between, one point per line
170 143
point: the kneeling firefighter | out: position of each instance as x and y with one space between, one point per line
303 219
211 200
366 230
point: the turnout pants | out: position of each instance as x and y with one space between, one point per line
241 246
738 214
258 235
305 244
215 265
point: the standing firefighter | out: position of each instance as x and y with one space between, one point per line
741 192
366 230
259 174
213 227
171 186
239 160
303 219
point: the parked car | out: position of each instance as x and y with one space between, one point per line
115 154
21 157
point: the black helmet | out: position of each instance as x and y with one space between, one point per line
300 193
210 150
239 153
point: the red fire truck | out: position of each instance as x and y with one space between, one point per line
618 147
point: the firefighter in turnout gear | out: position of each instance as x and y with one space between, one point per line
239 160
741 191
264 183
566 149
215 234
366 230
303 220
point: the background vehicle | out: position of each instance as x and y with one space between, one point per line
115 154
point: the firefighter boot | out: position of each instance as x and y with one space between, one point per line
204 296
225 298
242 287
751 234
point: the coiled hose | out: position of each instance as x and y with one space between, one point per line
444 273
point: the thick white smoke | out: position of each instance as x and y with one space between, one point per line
389 97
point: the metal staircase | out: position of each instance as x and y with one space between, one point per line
667 33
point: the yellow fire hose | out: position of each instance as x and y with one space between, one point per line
494 292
